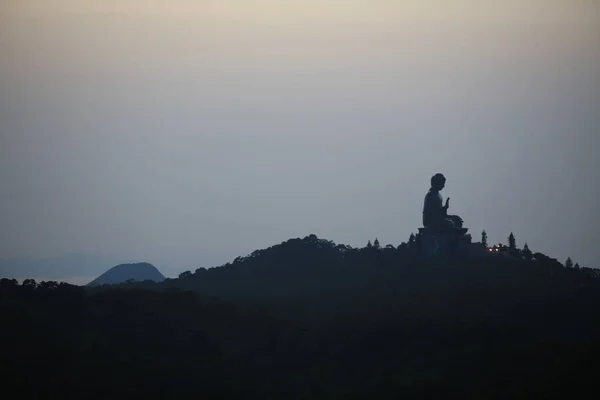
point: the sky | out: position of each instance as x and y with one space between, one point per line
187 133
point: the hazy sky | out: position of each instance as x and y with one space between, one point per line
186 133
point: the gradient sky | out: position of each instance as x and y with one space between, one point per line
186 133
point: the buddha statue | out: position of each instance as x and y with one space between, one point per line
435 215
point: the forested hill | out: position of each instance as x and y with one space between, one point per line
309 319
319 278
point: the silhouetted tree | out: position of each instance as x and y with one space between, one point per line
185 274
569 263
29 283
412 240
527 254
390 247
8 282
577 266
484 238
376 244
512 244
369 245
48 285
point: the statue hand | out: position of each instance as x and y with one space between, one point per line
447 203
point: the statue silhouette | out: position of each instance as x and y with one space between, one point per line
435 215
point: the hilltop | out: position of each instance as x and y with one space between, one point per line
138 272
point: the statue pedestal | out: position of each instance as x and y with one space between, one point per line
437 243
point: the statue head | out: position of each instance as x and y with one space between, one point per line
438 181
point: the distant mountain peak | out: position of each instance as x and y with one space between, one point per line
122 273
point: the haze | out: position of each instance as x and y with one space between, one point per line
191 133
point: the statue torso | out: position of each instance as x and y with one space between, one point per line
432 208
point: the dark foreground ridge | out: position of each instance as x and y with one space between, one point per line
310 319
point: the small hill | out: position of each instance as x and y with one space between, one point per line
138 272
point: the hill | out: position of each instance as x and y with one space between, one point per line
315 281
309 318
123 273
